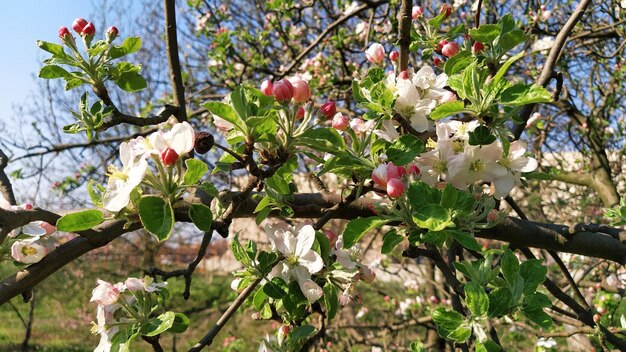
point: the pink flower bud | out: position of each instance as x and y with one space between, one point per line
446 9
436 61
301 90
50 229
89 29
267 87
285 329
169 157
417 12
64 32
332 237
441 44
401 170
395 188
375 54
394 56
493 215
283 91
448 96
478 47
328 109
450 49
27 206
300 113
383 173
433 299
340 122
596 318
112 33
414 170
78 25
404 74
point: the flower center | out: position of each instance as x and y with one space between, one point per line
506 162
477 165
116 174
458 146
26 250
441 167
292 260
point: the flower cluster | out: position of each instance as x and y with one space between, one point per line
32 241
417 94
165 148
455 161
121 305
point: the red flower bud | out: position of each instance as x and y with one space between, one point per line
64 32
596 318
447 9
300 113
340 122
450 49
266 87
169 157
301 90
27 206
478 47
112 33
401 171
283 90
395 188
414 170
417 12
394 56
89 29
404 74
78 25
441 44
328 109
436 61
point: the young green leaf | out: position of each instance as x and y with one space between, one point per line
80 221
157 216
201 216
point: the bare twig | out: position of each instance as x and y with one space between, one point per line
171 42
5 184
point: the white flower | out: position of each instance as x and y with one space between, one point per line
104 318
121 184
351 7
28 251
543 44
106 293
546 343
515 163
180 138
623 4
34 228
388 131
361 313
347 258
433 165
300 260
476 163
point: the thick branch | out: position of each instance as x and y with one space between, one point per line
405 20
5 184
171 42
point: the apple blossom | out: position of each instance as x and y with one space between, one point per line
104 318
267 88
35 228
475 163
448 97
283 90
478 47
28 251
79 24
395 188
375 54
361 127
388 131
301 90
105 293
437 61
300 260
515 163
383 173
450 49
417 12
180 138
328 109
122 182
89 29
340 122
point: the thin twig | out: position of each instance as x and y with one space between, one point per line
171 46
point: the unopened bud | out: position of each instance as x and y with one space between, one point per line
446 9
64 32
417 12
283 91
394 56
395 188
478 47
78 25
89 29
112 33
266 88
169 157
328 109
450 49
300 113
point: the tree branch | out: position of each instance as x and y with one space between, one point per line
171 46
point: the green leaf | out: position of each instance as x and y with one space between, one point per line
258 300
390 240
533 273
53 71
522 94
239 252
486 33
322 139
449 197
224 111
466 239
500 301
180 325
487 346
209 189
277 288
537 315
460 334
458 62
447 109
128 46
481 136
510 40
80 221
131 81
52 48
476 299
266 311
301 332
358 227
157 216
502 70
509 266
158 325
201 216
433 217
417 346
195 170
331 300
405 149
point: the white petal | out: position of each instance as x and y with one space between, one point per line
312 261
311 290
33 229
181 138
305 240
157 141
125 154
503 186
524 164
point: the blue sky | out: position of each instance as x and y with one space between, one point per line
23 23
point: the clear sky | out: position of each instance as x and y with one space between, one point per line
23 23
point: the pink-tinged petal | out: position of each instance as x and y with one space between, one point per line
33 229
503 185
517 149
290 243
181 138
343 258
311 290
419 122
300 273
312 261
305 239
158 141
4 204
